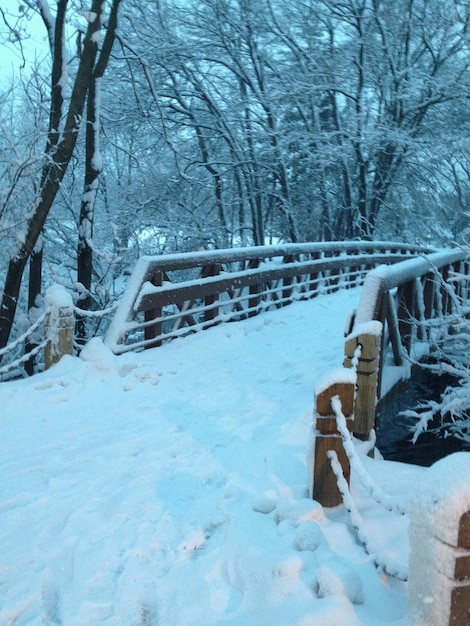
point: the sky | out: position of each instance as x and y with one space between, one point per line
172 487
34 43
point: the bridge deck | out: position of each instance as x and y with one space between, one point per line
170 486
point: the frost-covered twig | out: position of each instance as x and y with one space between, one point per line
389 567
365 479
100 313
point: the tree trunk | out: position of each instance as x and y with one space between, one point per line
54 170
87 208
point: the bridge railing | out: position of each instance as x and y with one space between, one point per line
402 310
416 301
172 295
438 568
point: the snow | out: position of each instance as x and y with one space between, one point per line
337 375
171 487
372 327
58 297
439 501
443 497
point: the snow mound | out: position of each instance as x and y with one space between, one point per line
99 355
298 511
339 578
308 536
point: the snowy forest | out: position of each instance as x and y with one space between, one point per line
156 126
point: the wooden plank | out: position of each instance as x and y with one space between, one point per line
178 292
324 486
287 282
254 291
460 606
464 531
366 383
325 489
211 311
326 425
346 393
406 311
153 331
366 396
419 308
393 330
172 262
462 567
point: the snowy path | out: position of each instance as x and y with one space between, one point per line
170 487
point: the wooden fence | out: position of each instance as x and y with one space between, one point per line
172 295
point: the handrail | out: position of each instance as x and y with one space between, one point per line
169 296
207 257
384 278
407 296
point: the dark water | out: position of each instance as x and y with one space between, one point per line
394 431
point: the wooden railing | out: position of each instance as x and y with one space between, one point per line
173 295
403 309
438 569
416 301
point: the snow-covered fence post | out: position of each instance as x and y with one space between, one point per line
59 324
439 566
362 350
325 489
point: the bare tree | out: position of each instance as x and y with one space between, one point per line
63 132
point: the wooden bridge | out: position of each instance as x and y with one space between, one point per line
410 298
411 294
414 293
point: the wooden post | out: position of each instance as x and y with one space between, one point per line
154 330
367 337
254 300
287 282
327 437
59 325
212 312
406 313
439 566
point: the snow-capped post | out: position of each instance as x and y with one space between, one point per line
362 352
59 324
342 384
439 565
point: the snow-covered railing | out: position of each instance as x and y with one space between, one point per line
172 295
439 564
52 332
438 571
399 307
416 301
334 456
13 349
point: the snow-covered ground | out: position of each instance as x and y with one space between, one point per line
171 487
